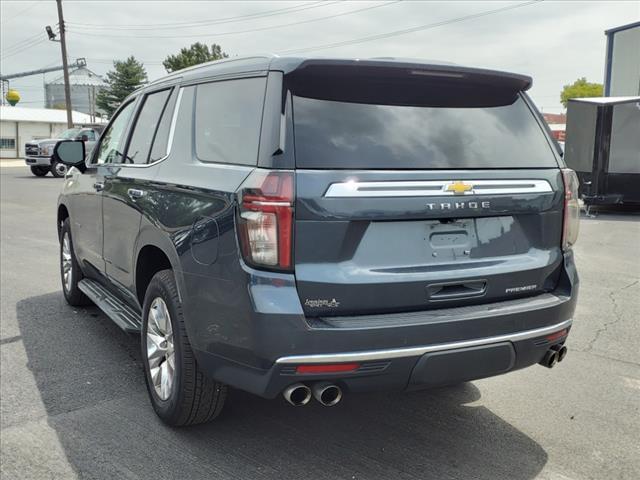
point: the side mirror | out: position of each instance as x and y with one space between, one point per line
70 152
84 138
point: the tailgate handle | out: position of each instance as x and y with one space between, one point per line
449 291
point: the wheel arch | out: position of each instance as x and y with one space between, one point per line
154 252
63 214
150 260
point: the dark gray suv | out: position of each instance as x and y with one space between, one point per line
316 227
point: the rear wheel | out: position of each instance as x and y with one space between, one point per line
181 394
39 171
58 169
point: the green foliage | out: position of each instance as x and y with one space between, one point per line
125 77
197 53
580 89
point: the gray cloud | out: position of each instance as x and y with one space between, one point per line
554 42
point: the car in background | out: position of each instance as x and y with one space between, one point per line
39 153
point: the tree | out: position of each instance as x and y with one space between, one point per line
580 89
126 76
197 53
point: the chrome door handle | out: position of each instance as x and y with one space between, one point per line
99 186
135 193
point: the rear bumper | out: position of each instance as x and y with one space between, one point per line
393 351
38 161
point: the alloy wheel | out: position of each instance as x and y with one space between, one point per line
160 350
61 169
67 266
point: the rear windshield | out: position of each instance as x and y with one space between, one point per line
339 135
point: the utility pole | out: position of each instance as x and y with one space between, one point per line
63 45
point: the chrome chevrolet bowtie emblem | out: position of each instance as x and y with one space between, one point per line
459 188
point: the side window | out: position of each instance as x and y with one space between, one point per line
228 119
91 135
108 150
161 140
145 127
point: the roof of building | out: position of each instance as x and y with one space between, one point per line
45 115
555 118
80 76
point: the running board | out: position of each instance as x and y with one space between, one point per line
122 314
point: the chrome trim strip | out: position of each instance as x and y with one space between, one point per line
434 188
174 120
417 351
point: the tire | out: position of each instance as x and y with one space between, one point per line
68 262
191 396
39 171
58 169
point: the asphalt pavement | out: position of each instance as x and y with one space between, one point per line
73 402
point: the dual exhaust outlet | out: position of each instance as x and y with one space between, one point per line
554 355
300 394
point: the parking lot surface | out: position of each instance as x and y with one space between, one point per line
74 404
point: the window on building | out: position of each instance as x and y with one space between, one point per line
228 119
7 143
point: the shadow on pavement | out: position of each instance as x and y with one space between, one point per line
90 380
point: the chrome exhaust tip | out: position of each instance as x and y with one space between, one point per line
327 394
562 352
297 394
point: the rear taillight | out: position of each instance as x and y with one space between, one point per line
571 225
266 219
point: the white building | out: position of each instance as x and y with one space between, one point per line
18 125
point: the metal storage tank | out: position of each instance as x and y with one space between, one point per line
84 85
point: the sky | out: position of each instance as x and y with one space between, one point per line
554 42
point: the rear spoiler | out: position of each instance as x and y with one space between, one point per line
399 83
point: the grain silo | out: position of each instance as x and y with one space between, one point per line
84 85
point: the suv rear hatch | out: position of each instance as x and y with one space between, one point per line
420 187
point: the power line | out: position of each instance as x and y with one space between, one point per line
22 42
5 20
26 47
405 31
237 32
111 60
238 18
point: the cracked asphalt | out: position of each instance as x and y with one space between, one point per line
73 402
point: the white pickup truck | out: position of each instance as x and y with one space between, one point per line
39 152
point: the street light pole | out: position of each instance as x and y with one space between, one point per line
63 45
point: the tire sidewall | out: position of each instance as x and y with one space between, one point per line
76 274
168 408
54 170
39 171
